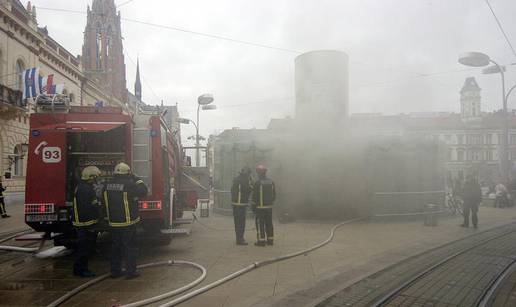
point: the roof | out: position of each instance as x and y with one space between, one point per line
470 85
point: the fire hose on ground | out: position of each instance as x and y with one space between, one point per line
18 248
208 287
145 301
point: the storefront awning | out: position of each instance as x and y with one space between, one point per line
72 126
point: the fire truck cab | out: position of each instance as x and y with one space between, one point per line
64 140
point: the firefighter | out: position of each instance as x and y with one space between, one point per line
472 196
3 212
121 199
240 193
264 194
85 218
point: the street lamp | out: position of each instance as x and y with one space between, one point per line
203 101
478 59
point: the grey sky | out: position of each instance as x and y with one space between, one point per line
390 42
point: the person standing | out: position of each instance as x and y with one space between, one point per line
264 194
240 193
3 212
121 199
86 213
472 196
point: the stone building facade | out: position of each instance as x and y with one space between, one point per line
23 45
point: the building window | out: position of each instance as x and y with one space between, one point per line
16 159
98 37
474 139
512 139
450 154
460 155
20 68
108 41
447 138
460 139
475 155
489 138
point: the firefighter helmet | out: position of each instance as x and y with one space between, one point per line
90 172
122 169
261 169
246 170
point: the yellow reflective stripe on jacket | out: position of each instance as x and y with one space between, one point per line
261 195
240 204
76 221
264 207
75 213
82 224
114 224
239 193
106 202
139 181
127 212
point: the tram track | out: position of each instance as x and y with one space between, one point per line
403 296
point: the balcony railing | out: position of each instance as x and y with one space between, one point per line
11 97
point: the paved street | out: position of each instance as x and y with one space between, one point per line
358 250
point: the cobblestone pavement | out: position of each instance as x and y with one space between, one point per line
459 282
505 295
358 250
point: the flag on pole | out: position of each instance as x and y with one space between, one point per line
47 86
30 78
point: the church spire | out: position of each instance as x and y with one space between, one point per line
137 83
102 51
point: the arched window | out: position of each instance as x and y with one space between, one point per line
98 37
20 68
1 65
108 41
17 161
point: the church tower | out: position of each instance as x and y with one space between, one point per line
102 52
470 99
137 83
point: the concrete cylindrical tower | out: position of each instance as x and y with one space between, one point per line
322 86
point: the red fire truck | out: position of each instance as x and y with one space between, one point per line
64 140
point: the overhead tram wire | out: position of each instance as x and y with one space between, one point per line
213 36
501 28
219 37
124 3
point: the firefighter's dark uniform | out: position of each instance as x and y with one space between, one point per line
264 194
85 218
240 193
121 200
3 212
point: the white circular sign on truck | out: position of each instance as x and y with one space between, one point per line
51 154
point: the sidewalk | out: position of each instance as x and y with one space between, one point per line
359 249
16 221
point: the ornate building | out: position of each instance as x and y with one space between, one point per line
102 52
24 45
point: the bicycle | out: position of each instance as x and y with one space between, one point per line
454 204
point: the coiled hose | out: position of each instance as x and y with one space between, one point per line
206 288
145 301
256 265
17 248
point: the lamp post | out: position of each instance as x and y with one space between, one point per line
478 59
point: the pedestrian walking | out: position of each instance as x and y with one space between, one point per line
472 196
121 199
3 212
86 214
264 194
240 193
